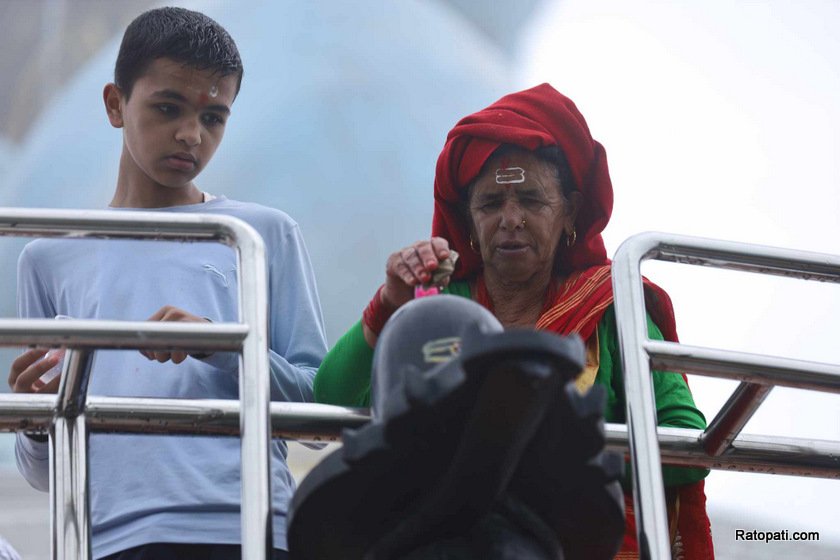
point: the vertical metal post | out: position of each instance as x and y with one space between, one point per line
648 491
69 474
254 397
69 459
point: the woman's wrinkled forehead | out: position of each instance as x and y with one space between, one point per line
514 167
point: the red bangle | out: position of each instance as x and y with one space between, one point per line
377 313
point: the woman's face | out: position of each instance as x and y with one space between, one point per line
518 215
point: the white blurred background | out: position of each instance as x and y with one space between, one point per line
719 119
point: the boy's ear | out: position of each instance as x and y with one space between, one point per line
113 97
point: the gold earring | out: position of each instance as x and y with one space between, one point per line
571 238
472 246
523 223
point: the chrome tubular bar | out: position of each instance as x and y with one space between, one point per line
69 501
299 421
747 453
733 416
755 368
315 422
249 337
124 335
639 355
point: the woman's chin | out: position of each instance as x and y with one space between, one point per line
513 272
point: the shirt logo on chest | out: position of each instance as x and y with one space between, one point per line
216 272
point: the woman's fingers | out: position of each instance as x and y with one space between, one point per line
440 247
410 267
415 264
427 256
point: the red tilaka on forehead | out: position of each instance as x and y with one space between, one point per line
204 97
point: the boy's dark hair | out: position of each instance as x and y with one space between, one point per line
183 35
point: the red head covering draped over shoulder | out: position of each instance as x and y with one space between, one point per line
535 118
532 119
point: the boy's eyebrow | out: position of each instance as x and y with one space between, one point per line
172 94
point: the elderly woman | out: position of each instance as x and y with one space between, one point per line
522 193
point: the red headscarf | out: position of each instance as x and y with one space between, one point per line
534 118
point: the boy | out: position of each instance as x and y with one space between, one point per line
176 77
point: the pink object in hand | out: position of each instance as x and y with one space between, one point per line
423 291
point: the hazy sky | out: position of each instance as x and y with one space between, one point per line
720 119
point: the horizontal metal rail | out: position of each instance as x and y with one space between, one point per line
126 335
314 422
70 530
102 224
720 442
747 453
743 366
299 421
730 255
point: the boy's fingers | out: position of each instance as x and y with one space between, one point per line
28 358
51 387
170 313
161 356
21 381
177 356
159 314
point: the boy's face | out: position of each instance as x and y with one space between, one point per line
173 122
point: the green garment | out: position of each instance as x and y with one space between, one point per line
344 379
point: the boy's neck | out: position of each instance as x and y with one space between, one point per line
136 190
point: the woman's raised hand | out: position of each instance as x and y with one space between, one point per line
410 267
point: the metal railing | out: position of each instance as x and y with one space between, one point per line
719 446
71 415
65 415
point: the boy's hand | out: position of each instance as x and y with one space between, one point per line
28 368
169 313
